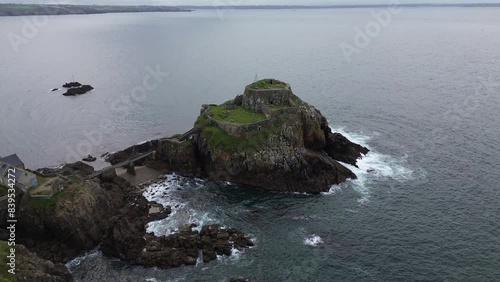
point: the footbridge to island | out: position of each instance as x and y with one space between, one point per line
130 162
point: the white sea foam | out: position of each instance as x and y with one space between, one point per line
313 240
78 260
167 194
235 256
373 167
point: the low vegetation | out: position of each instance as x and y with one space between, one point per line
235 115
267 84
4 275
3 191
69 191
218 138
41 180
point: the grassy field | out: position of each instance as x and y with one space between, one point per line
46 203
4 275
69 191
237 115
42 180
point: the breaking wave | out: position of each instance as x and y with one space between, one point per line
373 167
313 240
168 192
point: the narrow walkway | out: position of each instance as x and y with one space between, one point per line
183 137
99 172
194 130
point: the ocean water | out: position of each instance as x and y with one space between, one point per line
423 95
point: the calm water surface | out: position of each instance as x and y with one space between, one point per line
423 95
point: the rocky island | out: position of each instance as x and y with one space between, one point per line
266 138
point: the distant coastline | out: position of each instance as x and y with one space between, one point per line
271 7
51 9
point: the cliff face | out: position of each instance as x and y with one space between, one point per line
33 268
72 221
289 149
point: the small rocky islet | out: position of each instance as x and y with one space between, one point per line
75 88
266 138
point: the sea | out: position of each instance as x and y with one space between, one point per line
418 86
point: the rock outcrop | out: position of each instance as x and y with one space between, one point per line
341 149
78 90
127 239
78 168
132 151
30 268
89 158
73 221
268 138
108 212
72 84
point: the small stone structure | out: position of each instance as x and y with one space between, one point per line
268 96
255 99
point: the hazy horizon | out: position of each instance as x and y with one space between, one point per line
245 2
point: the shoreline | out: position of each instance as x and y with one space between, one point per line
14 10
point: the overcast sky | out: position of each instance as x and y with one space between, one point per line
238 2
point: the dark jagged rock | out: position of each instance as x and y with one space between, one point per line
30 267
158 212
78 168
72 84
340 148
89 158
127 239
108 212
78 90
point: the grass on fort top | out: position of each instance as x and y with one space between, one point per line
237 115
268 83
